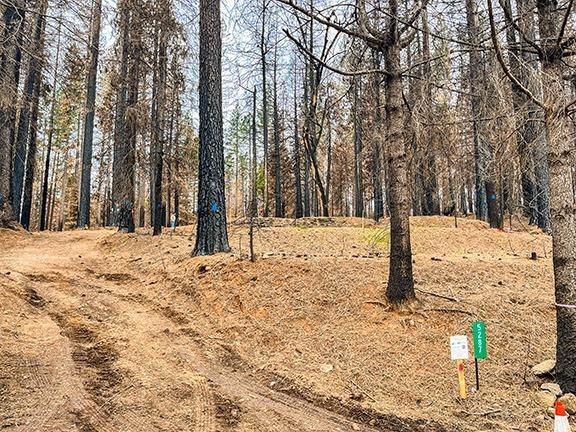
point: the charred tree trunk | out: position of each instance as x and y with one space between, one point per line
24 119
64 188
307 201
124 153
10 59
159 134
431 202
358 147
475 68
298 209
265 128
131 124
306 138
171 154
178 110
492 148
494 205
254 186
36 66
31 159
85 182
52 194
329 160
400 280
278 204
211 234
376 142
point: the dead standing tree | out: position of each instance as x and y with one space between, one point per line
552 48
124 151
10 60
315 68
384 30
86 180
28 128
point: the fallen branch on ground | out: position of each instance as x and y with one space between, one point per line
363 391
462 311
438 295
378 303
481 414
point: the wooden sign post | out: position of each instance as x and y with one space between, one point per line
459 352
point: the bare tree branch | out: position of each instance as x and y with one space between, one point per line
368 38
306 51
510 20
500 58
564 22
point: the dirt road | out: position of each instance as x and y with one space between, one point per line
86 347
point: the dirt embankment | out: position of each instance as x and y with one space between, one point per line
300 340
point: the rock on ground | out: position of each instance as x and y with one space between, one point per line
544 368
552 388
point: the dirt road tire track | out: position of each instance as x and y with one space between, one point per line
138 369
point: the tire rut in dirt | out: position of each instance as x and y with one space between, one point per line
355 412
33 375
290 400
94 356
227 412
94 359
21 376
258 398
124 403
235 378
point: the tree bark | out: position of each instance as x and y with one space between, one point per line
431 202
562 205
400 280
46 180
328 159
475 69
494 205
278 204
10 59
36 66
64 188
211 233
307 212
265 128
124 153
23 134
376 141
533 153
52 194
254 186
85 183
298 209
358 147
159 134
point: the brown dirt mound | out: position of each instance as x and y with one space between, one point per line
300 336
314 301
9 236
269 222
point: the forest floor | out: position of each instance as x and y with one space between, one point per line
102 331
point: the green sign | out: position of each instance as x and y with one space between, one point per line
479 337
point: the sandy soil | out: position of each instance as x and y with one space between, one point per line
111 332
